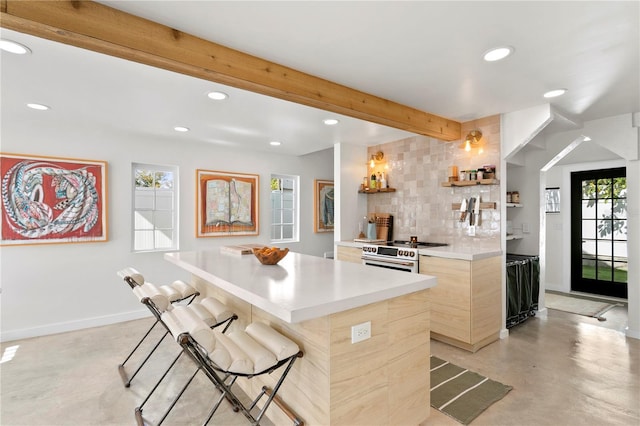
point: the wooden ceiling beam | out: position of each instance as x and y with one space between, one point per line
100 28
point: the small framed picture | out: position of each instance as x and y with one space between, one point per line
323 206
552 200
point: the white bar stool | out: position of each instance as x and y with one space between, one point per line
256 350
213 312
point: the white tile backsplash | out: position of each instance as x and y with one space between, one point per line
421 206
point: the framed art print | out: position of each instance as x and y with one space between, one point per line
227 204
552 200
52 200
323 206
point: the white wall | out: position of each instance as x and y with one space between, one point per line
554 234
524 220
351 207
53 288
618 135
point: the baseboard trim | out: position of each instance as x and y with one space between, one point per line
634 334
63 327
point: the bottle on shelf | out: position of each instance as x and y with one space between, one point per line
373 184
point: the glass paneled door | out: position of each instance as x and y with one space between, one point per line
599 232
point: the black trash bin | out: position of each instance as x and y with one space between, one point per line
532 264
514 271
523 287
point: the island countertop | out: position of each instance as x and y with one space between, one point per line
300 287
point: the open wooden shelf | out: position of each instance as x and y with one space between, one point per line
373 191
471 182
483 206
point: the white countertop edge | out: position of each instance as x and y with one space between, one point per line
449 252
459 255
304 314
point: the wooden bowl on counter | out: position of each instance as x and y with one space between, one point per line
270 255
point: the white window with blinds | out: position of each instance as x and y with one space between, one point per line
285 203
155 207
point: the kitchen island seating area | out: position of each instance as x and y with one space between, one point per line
317 302
222 357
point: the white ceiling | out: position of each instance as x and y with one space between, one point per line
427 55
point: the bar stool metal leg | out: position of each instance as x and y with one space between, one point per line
123 374
139 408
175 400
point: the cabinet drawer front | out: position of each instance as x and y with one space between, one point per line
451 322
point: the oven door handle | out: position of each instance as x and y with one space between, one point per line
392 262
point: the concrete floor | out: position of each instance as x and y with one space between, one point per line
565 370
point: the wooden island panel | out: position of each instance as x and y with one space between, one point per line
382 380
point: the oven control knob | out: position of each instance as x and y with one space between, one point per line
412 254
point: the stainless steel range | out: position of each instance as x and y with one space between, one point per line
398 255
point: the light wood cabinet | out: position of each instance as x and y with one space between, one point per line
466 305
350 254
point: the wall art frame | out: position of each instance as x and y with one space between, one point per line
323 206
227 204
552 200
51 200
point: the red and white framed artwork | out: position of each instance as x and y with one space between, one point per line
52 200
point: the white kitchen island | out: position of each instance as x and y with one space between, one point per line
316 301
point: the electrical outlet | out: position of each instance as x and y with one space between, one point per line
361 332
525 228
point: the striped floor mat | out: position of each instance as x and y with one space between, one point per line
460 393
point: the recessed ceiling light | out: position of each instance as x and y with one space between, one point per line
181 129
39 107
13 47
275 143
331 121
217 96
497 53
554 93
